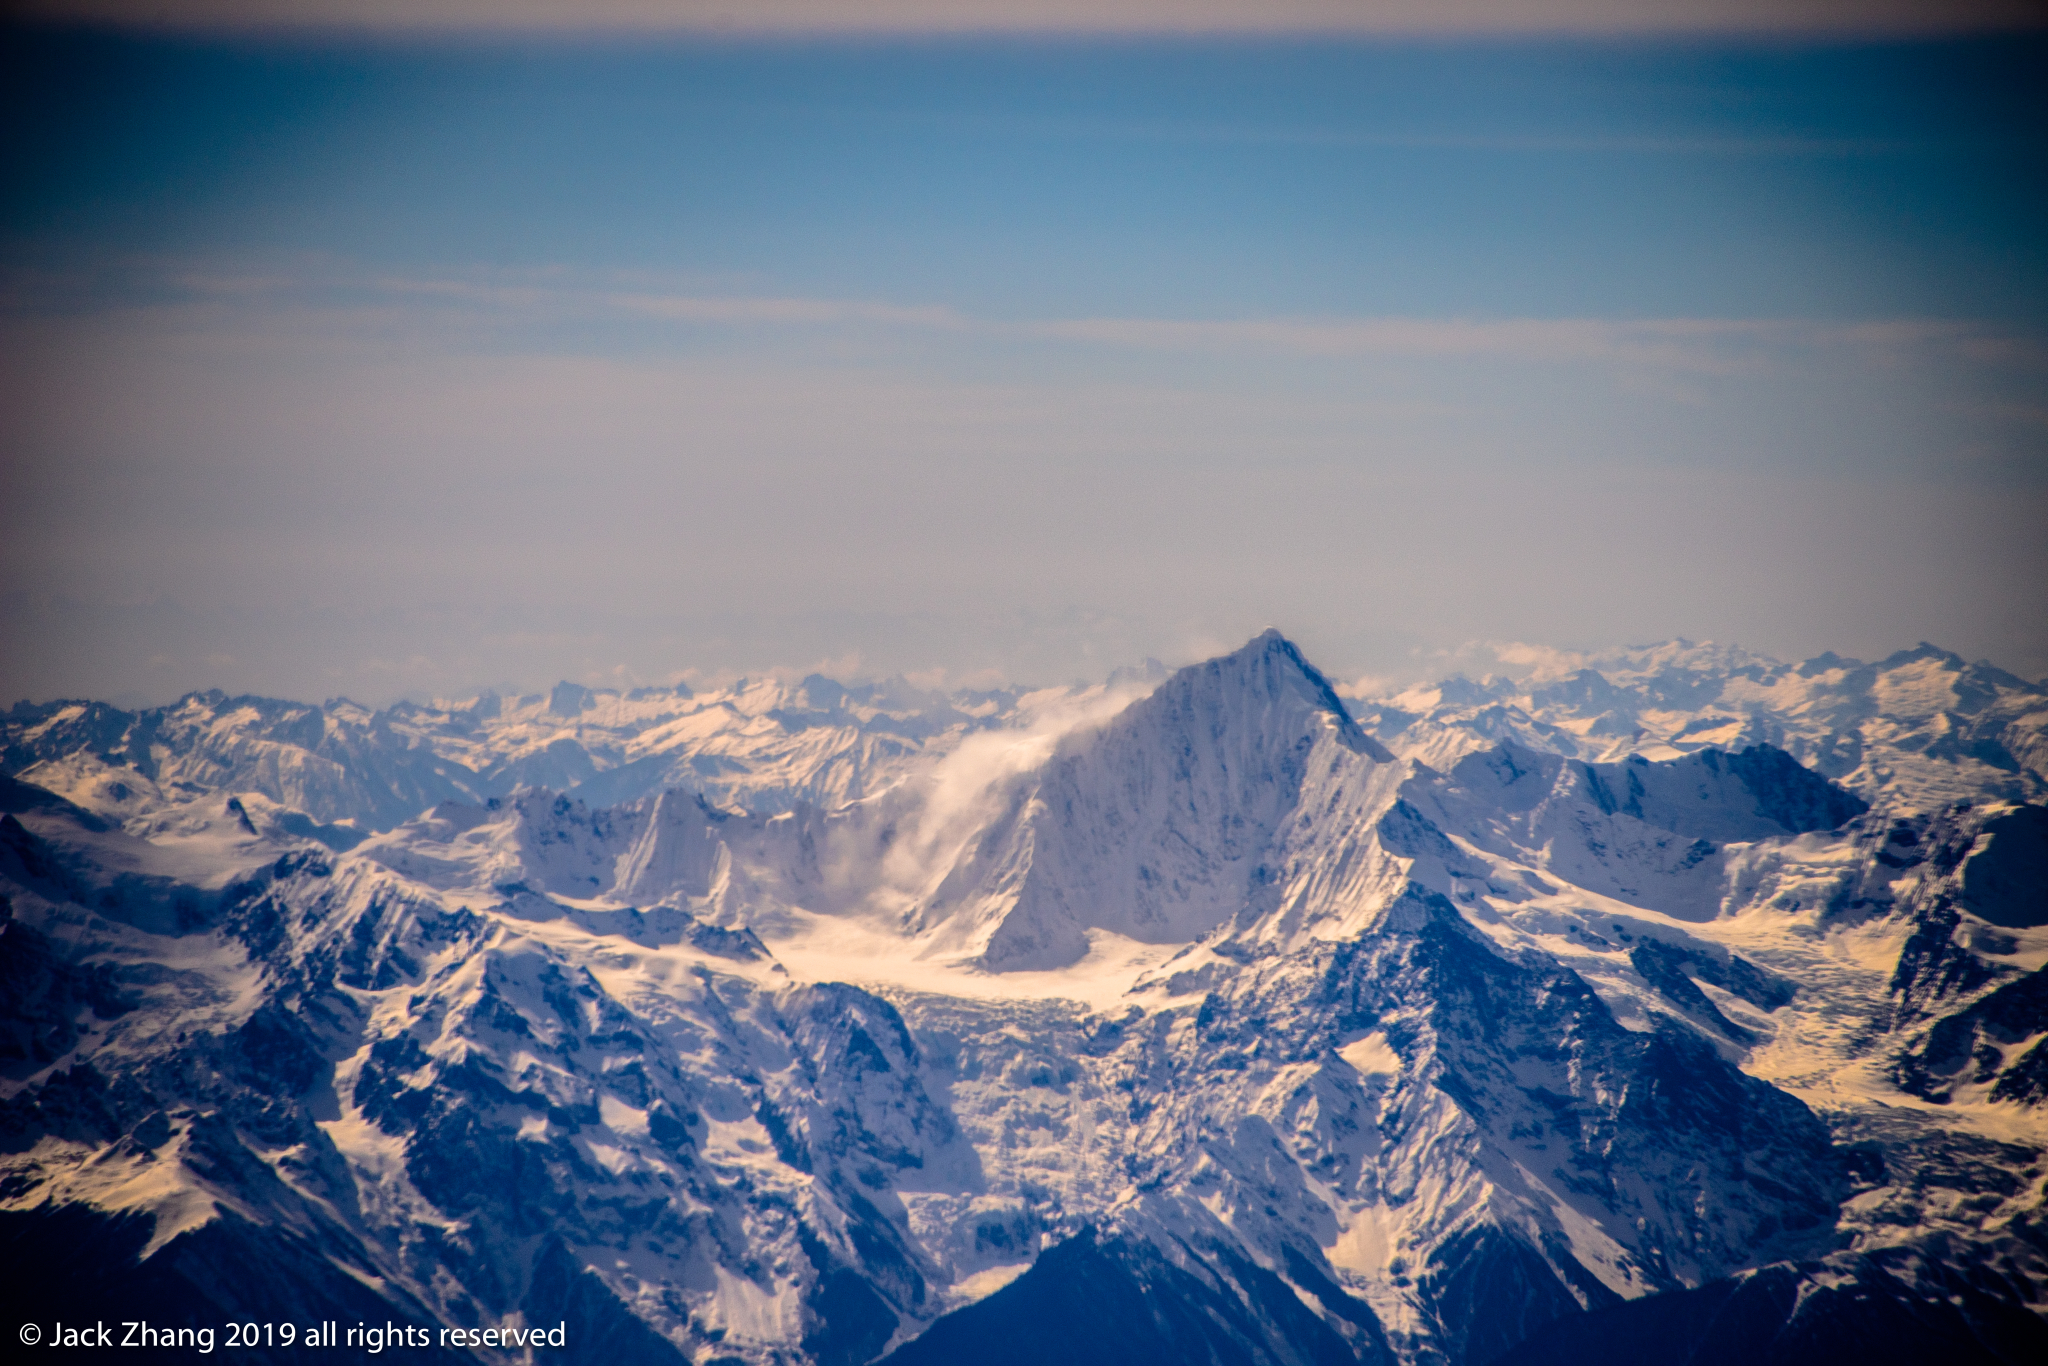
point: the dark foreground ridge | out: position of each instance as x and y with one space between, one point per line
1789 1316
1093 1303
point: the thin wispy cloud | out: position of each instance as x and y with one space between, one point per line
1711 345
1329 136
732 310
331 300
812 312
1181 17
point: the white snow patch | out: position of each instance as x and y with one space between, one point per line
851 950
1363 1245
620 1117
986 1282
749 1312
1372 1055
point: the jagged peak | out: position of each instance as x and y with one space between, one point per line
1272 657
1276 664
525 795
569 699
1828 662
1924 650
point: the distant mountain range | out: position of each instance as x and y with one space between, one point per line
1678 1006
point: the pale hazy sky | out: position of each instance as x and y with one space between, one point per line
367 361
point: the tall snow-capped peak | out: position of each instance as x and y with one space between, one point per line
1158 824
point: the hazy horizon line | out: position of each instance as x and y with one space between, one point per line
1516 660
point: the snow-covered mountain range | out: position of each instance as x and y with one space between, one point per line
1674 1004
766 744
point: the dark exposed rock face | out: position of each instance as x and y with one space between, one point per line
74 1265
1964 1013
2005 881
1972 1045
1791 794
1091 1302
1788 1315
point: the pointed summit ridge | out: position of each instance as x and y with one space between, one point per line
1269 666
1158 824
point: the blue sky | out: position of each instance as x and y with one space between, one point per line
1162 178
381 362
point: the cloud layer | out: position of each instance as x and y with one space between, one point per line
335 482
332 301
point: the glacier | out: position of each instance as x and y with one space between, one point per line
1669 1004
